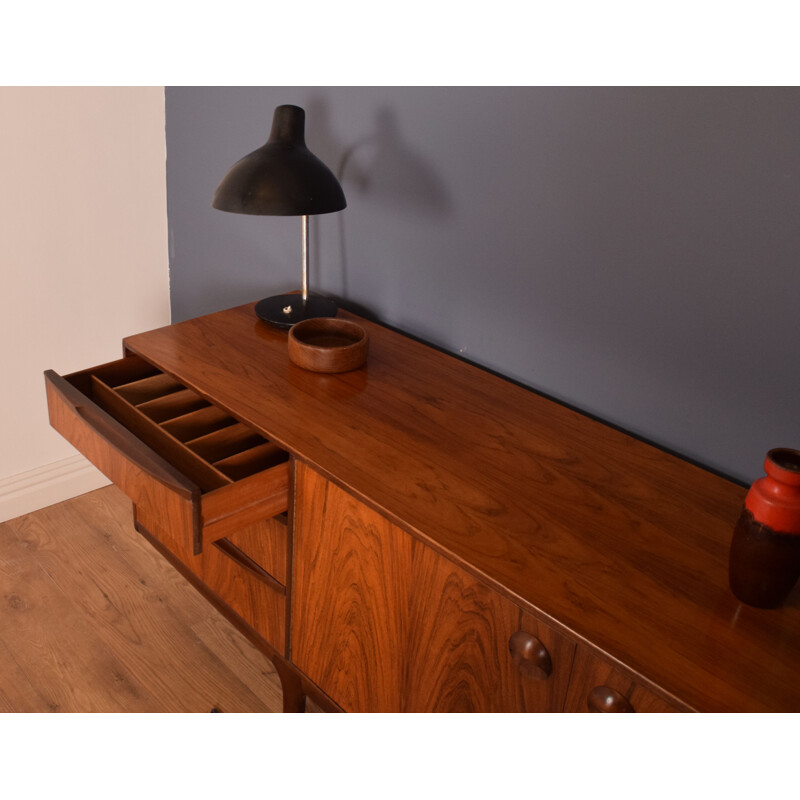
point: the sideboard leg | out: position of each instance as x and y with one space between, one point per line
294 698
294 702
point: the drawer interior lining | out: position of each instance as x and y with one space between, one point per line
252 460
174 404
148 388
225 442
204 474
196 424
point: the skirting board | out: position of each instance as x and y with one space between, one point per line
51 483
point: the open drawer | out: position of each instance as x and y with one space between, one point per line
177 456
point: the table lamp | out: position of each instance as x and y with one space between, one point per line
284 178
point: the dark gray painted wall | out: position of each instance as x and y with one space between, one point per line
633 252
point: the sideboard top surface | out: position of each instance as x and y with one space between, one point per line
613 539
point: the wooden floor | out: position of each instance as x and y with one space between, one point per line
93 619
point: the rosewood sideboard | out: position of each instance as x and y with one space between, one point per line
422 535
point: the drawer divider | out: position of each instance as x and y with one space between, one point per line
179 480
154 435
124 458
118 437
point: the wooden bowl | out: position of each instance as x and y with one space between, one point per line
327 344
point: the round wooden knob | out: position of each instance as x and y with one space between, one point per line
530 655
605 699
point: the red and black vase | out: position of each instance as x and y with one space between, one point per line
765 551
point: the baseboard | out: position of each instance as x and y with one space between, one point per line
51 483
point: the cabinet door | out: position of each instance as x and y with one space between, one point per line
599 685
472 650
383 623
352 571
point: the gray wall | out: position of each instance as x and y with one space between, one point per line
632 252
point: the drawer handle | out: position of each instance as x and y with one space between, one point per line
129 450
605 699
530 655
227 547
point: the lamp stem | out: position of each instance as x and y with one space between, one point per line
305 257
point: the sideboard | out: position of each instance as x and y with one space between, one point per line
423 535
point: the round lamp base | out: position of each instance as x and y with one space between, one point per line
284 310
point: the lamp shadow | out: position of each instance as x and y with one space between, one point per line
380 168
383 168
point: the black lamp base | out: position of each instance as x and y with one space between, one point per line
284 310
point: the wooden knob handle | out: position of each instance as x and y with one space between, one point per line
605 699
530 655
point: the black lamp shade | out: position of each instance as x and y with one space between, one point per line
282 178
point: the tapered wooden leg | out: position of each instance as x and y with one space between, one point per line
294 698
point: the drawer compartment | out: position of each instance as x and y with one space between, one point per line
200 471
247 570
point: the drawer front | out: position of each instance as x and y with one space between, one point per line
600 686
203 473
264 543
245 570
244 584
152 522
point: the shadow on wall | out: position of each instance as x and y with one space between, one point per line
379 168
384 169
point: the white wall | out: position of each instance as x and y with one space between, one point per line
83 260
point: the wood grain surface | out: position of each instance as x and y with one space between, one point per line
349 597
598 685
175 483
258 602
266 543
95 620
382 622
148 479
459 655
155 436
596 532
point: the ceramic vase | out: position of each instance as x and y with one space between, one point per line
765 551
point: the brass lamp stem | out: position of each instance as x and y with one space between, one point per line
305 257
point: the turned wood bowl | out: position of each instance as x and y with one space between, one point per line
327 344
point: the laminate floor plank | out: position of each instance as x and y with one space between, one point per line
135 621
109 625
51 643
100 532
17 694
250 666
